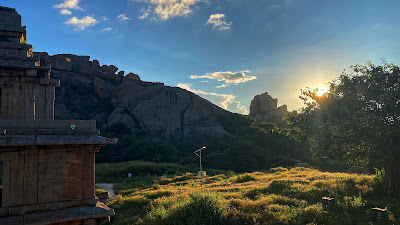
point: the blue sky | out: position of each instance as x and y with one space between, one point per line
227 51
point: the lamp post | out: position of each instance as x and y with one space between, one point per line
201 167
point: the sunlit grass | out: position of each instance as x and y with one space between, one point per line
279 196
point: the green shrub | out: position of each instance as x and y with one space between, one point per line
202 209
199 209
156 194
245 178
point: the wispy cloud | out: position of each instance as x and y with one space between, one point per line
228 77
227 99
221 86
123 18
104 18
167 9
107 29
69 4
82 24
65 12
218 21
145 14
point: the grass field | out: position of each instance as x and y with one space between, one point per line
278 196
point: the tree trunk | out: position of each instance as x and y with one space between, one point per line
392 177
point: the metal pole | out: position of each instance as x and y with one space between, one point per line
201 174
201 166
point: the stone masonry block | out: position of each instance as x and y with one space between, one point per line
59 190
62 156
31 179
56 171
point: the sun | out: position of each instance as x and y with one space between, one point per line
320 91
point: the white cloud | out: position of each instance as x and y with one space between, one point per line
221 86
204 81
104 18
107 29
227 99
69 4
145 14
242 108
219 22
228 77
167 9
82 24
123 18
65 12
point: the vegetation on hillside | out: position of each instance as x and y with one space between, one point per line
279 196
249 146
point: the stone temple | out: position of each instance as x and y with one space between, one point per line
48 165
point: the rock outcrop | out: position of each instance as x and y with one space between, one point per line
91 91
168 113
264 108
103 89
82 65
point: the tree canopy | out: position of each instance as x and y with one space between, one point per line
357 122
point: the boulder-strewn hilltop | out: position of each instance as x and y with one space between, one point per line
91 91
264 108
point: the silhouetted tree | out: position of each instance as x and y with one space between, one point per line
357 121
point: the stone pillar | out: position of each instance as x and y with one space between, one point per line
40 104
31 176
88 172
13 182
4 101
29 102
16 101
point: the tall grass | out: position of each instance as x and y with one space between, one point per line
280 196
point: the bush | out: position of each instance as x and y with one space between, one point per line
202 209
199 209
245 178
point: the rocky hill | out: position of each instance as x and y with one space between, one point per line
91 91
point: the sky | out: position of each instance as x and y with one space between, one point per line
227 51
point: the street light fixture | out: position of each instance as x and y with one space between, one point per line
201 172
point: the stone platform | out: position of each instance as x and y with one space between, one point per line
72 216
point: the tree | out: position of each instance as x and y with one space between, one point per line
357 121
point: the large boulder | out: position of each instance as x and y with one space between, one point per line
77 94
120 116
263 103
131 76
358 170
169 114
109 69
101 119
264 108
103 88
62 63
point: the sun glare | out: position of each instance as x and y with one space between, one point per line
319 91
